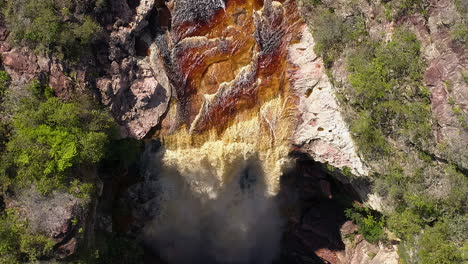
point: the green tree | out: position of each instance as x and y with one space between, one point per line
50 26
51 137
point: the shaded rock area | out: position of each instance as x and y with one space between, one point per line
136 88
317 222
359 251
314 223
24 66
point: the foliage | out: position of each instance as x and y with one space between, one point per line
368 138
395 9
50 26
436 247
388 108
460 32
388 94
462 7
421 216
5 80
17 244
52 137
405 224
332 33
370 223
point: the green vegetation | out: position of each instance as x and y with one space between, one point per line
5 80
50 25
462 6
388 109
4 129
388 94
460 33
17 244
53 138
332 33
420 214
370 223
460 29
436 247
396 9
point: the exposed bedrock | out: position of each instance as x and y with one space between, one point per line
218 62
240 89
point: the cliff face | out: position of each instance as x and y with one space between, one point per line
234 92
240 89
219 63
231 88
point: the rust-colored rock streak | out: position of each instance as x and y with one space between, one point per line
230 56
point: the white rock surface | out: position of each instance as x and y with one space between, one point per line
321 130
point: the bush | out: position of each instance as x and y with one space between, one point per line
328 31
462 7
332 33
405 224
17 244
112 248
460 32
370 223
371 141
5 80
436 247
395 9
388 94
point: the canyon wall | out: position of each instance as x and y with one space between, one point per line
227 94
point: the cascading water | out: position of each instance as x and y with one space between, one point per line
226 140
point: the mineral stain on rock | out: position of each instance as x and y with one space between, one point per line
238 82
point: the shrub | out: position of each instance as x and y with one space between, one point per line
328 31
405 224
436 247
370 223
395 9
112 248
5 80
388 94
369 139
460 32
17 244
332 33
462 7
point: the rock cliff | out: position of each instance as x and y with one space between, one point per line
234 92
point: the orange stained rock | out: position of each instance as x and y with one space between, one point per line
233 62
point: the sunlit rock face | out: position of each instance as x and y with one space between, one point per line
243 91
245 72
232 88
